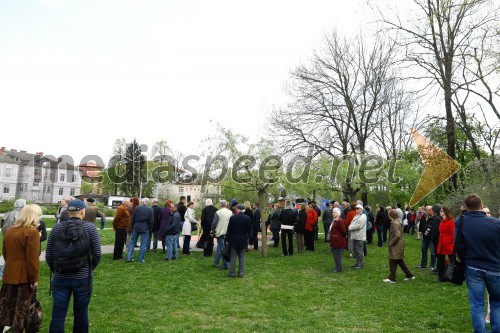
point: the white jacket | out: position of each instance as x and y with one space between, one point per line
188 218
358 227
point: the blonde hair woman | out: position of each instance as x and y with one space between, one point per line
20 249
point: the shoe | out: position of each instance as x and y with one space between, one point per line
142 261
224 267
419 266
130 260
241 275
231 276
215 266
487 318
167 259
359 267
432 269
388 281
409 279
350 255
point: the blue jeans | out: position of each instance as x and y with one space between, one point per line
62 289
218 254
142 249
426 244
476 282
155 239
171 246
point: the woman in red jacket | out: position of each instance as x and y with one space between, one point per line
312 218
337 239
445 245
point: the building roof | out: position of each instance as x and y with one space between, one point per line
24 158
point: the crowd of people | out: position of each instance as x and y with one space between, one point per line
235 227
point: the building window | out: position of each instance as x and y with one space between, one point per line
60 191
49 188
181 189
72 192
73 178
24 187
61 177
8 172
6 189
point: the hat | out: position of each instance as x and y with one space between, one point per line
20 203
76 205
240 206
359 206
90 200
436 208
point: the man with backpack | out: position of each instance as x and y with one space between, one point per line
73 252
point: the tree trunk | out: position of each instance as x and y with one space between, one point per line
450 129
263 227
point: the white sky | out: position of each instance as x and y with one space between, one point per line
75 75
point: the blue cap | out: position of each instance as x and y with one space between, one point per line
76 205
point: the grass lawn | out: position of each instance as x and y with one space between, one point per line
277 294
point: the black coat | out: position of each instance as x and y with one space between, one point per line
156 217
239 231
288 217
181 208
256 218
207 216
301 222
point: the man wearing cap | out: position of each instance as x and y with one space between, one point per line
239 231
358 236
79 284
92 212
218 230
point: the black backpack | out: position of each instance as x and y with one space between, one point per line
71 248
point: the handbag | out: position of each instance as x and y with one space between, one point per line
226 252
34 314
455 271
194 226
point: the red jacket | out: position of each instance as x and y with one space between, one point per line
349 217
312 219
338 234
446 233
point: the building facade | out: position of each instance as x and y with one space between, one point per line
36 178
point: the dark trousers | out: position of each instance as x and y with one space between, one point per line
441 266
309 240
379 236
326 229
337 257
426 244
411 227
384 232
120 237
185 245
369 236
206 242
276 236
393 266
286 233
255 237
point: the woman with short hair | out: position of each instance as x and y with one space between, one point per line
338 236
446 240
20 249
186 227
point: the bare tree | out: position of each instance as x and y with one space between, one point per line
338 100
434 39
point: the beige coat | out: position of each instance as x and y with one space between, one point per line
396 245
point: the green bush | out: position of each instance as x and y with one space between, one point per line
6 206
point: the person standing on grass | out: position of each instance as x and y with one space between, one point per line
218 230
20 249
358 236
156 226
255 226
275 224
351 213
478 248
396 250
92 212
120 225
239 231
338 235
187 228
207 217
288 219
79 283
426 238
172 229
312 218
446 241
134 202
300 227
327 220
165 215
433 231
141 221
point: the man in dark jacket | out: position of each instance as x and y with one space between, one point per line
239 231
255 226
156 226
327 220
477 247
433 230
142 220
288 219
181 208
424 228
207 217
172 231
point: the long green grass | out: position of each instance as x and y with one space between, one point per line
278 294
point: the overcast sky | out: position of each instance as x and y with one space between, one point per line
76 75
